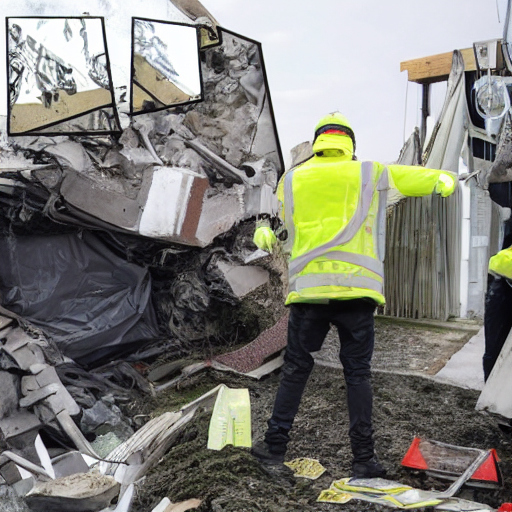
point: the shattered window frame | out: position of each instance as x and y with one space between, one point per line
222 30
133 82
45 130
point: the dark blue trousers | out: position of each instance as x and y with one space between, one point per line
308 326
497 321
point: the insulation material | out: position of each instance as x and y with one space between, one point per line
92 303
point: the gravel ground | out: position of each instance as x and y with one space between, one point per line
407 403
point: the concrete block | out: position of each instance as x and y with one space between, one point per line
59 401
220 212
4 321
23 487
9 384
26 356
70 155
97 200
33 397
10 473
16 338
18 423
243 279
174 205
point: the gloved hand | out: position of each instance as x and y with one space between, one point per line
501 264
264 238
445 185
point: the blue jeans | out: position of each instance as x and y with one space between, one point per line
308 326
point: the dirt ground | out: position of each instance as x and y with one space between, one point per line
406 404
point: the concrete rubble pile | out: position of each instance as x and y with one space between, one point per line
47 461
126 245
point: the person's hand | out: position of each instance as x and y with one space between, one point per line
264 238
445 185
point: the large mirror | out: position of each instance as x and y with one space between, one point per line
166 69
59 77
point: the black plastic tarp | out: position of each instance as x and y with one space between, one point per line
91 302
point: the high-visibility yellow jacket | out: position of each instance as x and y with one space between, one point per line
334 210
501 263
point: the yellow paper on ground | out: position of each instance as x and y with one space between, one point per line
330 496
379 491
306 468
372 485
231 419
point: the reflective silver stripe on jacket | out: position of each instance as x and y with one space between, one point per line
345 235
367 262
380 233
299 283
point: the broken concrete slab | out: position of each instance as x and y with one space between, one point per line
10 472
9 384
243 279
58 401
174 205
33 397
221 210
22 487
18 423
17 338
75 493
26 355
70 155
94 198
4 321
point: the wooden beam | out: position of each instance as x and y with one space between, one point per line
436 68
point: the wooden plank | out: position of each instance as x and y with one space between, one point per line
436 68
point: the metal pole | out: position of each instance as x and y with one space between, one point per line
425 112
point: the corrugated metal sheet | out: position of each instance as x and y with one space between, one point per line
423 249
422 265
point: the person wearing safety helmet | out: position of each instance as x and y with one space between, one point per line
334 211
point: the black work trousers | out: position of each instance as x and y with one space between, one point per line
308 326
497 321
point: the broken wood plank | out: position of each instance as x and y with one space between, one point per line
436 68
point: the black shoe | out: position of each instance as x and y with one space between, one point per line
368 469
263 452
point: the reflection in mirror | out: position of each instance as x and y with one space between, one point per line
165 65
58 71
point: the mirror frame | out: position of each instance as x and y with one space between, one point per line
47 127
133 82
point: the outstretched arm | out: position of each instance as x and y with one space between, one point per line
416 181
